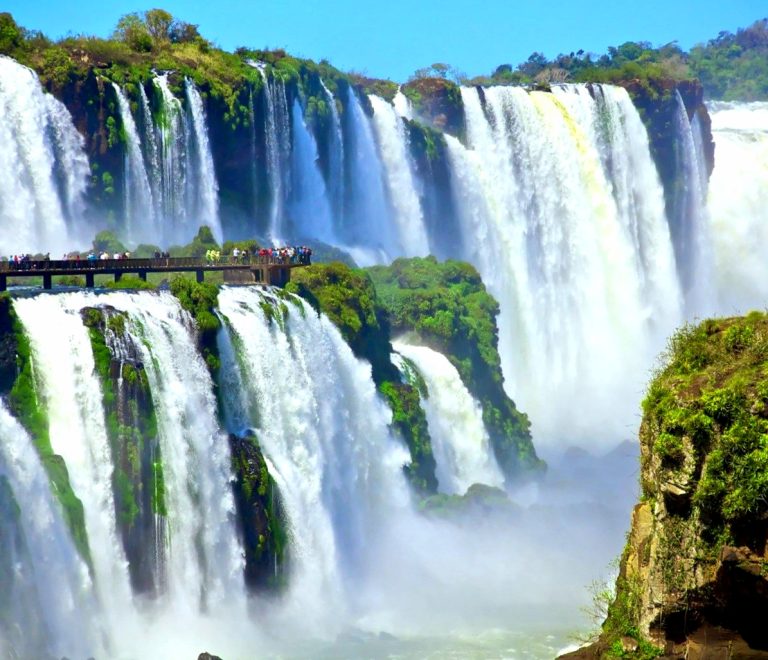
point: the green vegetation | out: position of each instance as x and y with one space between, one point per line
730 66
478 498
201 243
26 407
131 282
447 307
734 67
199 299
707 413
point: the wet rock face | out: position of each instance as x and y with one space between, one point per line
260 516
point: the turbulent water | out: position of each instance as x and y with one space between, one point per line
554 197
460 441
564 214
43 168
365 567
738 205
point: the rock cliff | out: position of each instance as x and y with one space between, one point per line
693 579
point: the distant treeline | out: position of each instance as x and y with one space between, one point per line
731 66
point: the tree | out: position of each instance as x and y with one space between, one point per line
11 35
182 32
132 29
158 22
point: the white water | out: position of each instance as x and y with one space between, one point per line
368 224
323 430
403 105
196 460
43 169
206 195
336 185
52 570
584 273
309 207
204 560
140 222
460 441
277 140
172 149
151 154
71 395
738 205
401 183
690 228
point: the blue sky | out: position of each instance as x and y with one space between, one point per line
392 38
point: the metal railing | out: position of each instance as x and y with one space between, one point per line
135 265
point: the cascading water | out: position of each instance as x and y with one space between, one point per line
308 204
151 153
140 223
47 560
336 185
206 194
460 441
401 183
171 133
403 105
204 562
738 205
689 225
367 224
43 169
584 274
71 394
278 151
324 433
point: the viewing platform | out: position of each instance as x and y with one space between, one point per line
272 271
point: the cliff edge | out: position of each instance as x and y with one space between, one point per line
693 578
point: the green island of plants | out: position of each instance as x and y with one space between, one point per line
448 308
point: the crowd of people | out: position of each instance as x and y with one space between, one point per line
283 255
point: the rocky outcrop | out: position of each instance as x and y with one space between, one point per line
137 480
693 578
260 517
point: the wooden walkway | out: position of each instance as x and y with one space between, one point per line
263 270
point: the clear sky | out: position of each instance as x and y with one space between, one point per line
392 38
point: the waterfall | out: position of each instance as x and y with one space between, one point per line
460 440
171 130
151 155
336 186
402 104
323 431
140 221
583 271
309 207
278 150
48 566
203 559
690 229
71 394
738 205
367 226
401 183
207 188
43 168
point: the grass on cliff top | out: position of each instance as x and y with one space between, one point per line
709 401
